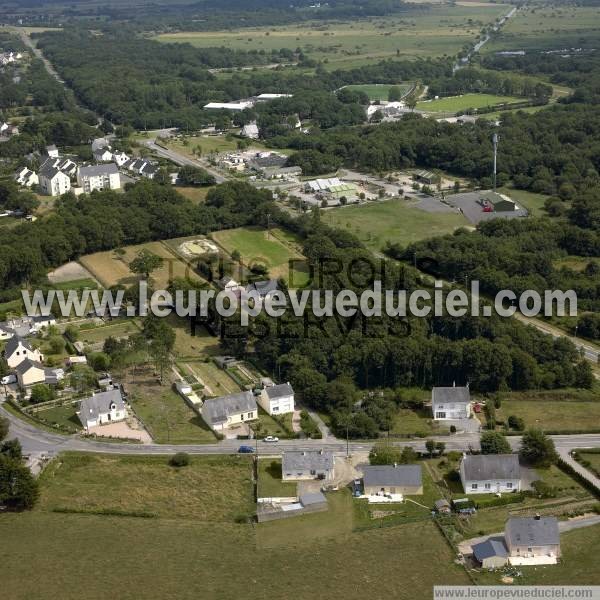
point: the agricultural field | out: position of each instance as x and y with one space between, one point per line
111 268
549 28
210 489
379 91
435 31
258 246
394 221
454 104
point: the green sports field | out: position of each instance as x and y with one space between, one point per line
379 91
453 104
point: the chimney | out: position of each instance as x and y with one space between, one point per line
538 517
454 384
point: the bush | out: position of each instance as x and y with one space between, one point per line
543 490
181 459
515 422
500 500
452 428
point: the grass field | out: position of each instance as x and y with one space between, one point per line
207 143
409 421
394 221
436 31
188 345
533 202
269 480
63 416
111 269
212 489
97 335
257 246
549 27
379 91
215 380
453 104
196 195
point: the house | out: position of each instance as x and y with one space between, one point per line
450 403
39 322
103 155
490 473
66 165
300 465
30 372
7 130
5 332
532 540
120 158
53 182
26 177
102 408
277 399
250 130
392 479
227 411
141 167
52 151
99 177
18 350
263 288
491 553
228 283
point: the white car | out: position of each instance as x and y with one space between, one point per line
271 438
8 379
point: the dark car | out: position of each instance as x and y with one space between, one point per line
245 449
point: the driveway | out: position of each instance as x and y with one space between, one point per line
130 429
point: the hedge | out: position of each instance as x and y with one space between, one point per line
511 498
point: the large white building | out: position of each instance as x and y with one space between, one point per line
99 177
53 182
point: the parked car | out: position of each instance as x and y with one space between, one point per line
271 438
245 449
8 379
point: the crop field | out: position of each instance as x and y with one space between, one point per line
111 269
453 104
549 28
379 91
257 246
434 31
394 221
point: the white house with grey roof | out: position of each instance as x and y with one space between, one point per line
53 181
229 411
392 479
298 465
102 408
277 399
532 540
18 350
26 177
99 177
450 403
490 473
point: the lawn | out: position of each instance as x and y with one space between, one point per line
437 31
65 417
97 335
196 195
592 459
267 425
269 480
379 91
215 380
408 422
396 221
188 345
453 104
208 144
555 415
210 488
111 269
164 412
257 246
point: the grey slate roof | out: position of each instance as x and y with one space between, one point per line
388 475
263 287
279 391
49 171
13 343
28 364
216 410
98 170
90 408
532 531
482 467
452 395
492 547
307 460
312 498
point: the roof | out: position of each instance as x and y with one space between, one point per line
279 391
482 467
50 171
532 531
216 410
51 148
453 395
442 503
229 105
312 498
99 143
273 160
28 364
491 547
13 343
263 287
91 408
97 170
304 460
390 475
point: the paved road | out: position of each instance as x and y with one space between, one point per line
182 160
566 456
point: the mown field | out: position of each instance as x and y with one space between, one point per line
453 104
433 31
394 221
379 91
258 246
549 28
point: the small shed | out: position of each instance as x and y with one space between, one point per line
442 506
491 554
